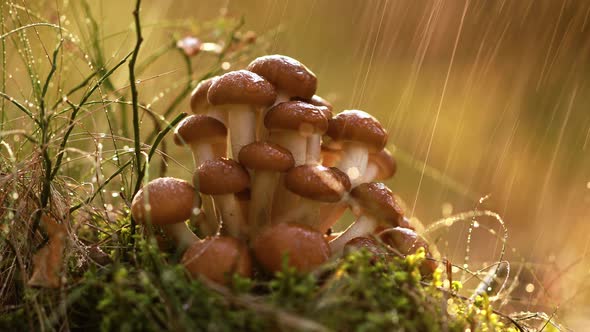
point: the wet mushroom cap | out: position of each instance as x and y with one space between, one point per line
407 242
217 258
369 244
385 163
266 156
169 201
199 128
286 74
316 100
317 182
296 116
377 200
222 176
241 87
358 126
306 247
199 95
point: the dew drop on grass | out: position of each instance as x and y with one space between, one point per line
530 288
15 195
115 194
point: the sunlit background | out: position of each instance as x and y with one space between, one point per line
487 104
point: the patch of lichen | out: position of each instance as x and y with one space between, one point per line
148 291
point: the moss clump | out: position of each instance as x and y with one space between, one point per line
150 292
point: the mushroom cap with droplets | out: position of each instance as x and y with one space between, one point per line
317 182
286 74
377 200
217 258
164 201
199 100
222 176
297 116
266 156
199 128
241 87
306 248
358 126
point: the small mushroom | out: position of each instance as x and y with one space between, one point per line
406 242
289 76
205 135
316 184
291 123
381 166
305 247
330 156
317 101
242 94
222 178
358 133
267 161
375 205
200 104
168 203
217 258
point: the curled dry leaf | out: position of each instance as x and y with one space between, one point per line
47 262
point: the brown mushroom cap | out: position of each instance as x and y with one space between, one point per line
199 95
199 128
385 163
222 176
286 74
330 157
316 100
377 200
317 182
358 126
370 244
296 116
266 156
241 87
170 201
217 258
306 247
406 241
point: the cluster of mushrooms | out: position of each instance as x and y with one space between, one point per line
275 170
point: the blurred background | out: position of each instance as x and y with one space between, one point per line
482 99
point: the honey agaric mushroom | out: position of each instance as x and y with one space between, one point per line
316 184
306 248
359 133
168 203
330 156
381 166
217 258
291 123
222 178
242 94
374 204
268 161
316 100
290 77
200 104
406 242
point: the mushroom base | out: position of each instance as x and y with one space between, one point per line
361 227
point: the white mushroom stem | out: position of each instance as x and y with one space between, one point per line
363 226
291 141
354 161
370 173
232 218
311 213
210 224
242 127
201 153
314 149
263 185
330 214
218 113
282 96
285 205
181 235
